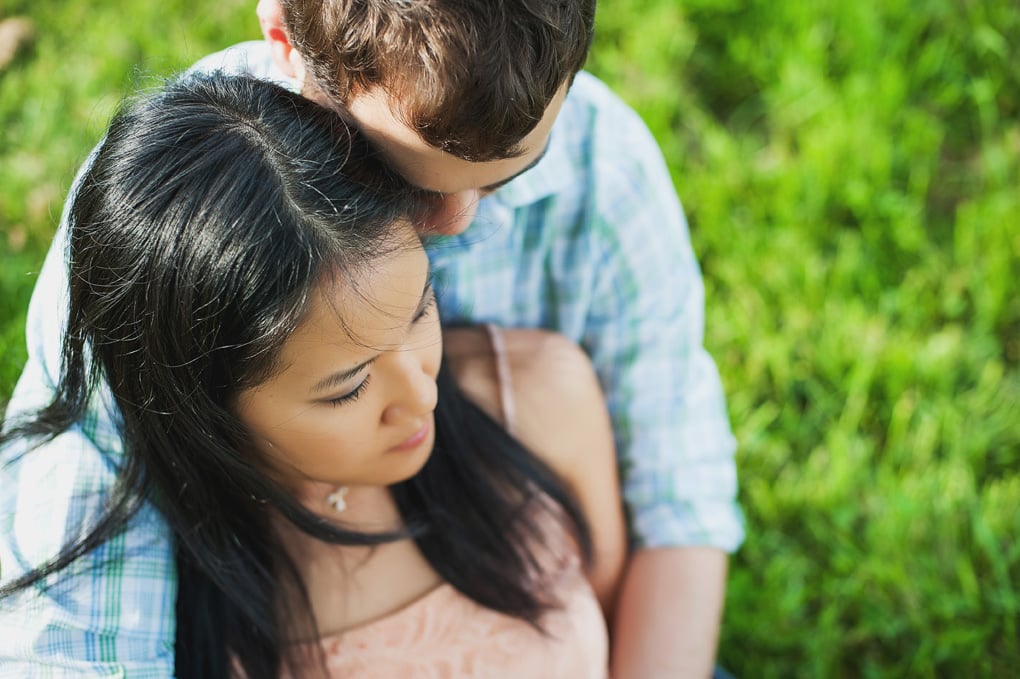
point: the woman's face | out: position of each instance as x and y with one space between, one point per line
353 401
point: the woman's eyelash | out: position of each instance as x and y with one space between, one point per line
352 396
429 306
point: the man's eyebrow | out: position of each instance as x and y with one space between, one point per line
532 164
341 376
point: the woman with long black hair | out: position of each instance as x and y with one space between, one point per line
248 294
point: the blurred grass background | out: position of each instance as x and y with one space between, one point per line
851 172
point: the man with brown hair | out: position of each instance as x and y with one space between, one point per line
460 96
551 207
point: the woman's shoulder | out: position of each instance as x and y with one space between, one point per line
560 414
553 388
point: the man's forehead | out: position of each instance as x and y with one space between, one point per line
435 170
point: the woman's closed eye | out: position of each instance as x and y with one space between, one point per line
350 396
427 307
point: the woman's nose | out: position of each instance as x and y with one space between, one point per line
416 396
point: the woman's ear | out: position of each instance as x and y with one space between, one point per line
286 58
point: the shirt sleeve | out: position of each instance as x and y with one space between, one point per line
108 614
111 613
645 335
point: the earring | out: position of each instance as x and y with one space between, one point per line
338 499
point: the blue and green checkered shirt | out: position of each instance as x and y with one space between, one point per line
591 242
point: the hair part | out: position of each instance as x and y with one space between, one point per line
471 77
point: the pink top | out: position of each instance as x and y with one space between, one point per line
444 634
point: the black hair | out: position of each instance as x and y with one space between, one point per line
209 214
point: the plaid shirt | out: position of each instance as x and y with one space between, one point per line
591 242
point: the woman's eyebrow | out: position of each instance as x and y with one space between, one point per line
341 376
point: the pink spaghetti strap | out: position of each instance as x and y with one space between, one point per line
506 393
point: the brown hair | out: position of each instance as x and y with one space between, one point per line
472 77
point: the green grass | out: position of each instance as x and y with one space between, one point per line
852 176
55 101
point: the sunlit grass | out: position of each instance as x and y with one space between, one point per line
852 175
55 101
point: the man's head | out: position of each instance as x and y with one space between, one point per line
460 95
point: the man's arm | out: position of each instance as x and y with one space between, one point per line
679 638
645 334
110 613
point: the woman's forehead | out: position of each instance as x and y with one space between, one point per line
366 310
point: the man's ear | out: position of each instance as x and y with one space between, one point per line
274 30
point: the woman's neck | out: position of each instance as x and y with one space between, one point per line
349 586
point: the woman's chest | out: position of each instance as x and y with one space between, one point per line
351 587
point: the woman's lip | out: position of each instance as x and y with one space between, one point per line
416 439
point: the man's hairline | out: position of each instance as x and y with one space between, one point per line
400 114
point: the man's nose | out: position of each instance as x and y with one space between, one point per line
449 213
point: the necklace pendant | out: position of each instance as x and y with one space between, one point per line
338 499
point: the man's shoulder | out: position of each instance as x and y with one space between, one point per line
599 130
246 58
599 152
594 104
589 88
605 147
